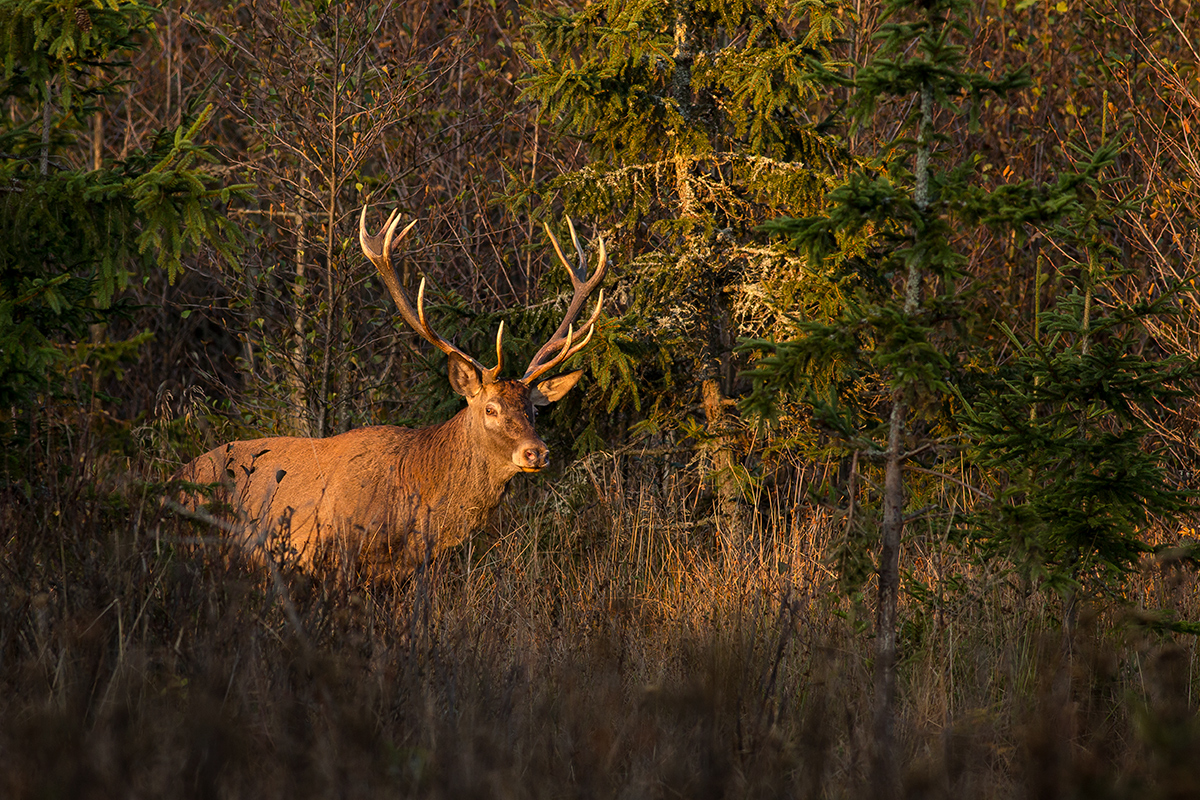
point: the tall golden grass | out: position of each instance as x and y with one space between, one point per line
592 643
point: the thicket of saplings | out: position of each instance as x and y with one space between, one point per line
593 641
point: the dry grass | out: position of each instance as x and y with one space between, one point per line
591 644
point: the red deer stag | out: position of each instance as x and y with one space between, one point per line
396 496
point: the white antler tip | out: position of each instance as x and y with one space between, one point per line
421 302
499 347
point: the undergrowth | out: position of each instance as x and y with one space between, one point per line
591 643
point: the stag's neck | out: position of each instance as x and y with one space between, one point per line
453 457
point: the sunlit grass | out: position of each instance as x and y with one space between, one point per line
594 640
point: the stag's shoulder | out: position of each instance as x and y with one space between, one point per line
382 436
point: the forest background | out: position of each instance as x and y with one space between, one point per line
879 481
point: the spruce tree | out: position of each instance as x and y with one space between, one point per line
882 378
1066 425
77 227
1054 412
696 121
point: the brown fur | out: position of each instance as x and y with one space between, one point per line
391 496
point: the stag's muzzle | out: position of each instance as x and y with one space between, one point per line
532 457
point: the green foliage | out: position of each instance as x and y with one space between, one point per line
923 48
1065 429
694 118
616 73
1055 413
910 324
72 239
1066 425
42 40
892 219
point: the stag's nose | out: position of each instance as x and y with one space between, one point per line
536 456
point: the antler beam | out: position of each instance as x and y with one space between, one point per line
378 250
562 344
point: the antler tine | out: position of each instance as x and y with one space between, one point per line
578 249
426 330
561 342
495 372
378 247
564 346
578 274
378 250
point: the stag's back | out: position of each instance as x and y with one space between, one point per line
380 490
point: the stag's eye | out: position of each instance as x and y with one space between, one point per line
490 411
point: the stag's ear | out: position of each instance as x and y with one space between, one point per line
552 389
464 377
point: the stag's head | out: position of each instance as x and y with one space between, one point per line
504 411
501 412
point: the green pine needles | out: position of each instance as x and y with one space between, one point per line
1049 419
1046 420
72 238
700 122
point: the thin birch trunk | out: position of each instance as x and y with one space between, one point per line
300 411
97 140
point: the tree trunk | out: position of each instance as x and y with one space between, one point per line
97 140
886 766
732 527
682 81
886 757
327 414
297 385
44 158
731 517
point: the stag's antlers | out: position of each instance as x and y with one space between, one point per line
562 339
378 249
562 345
